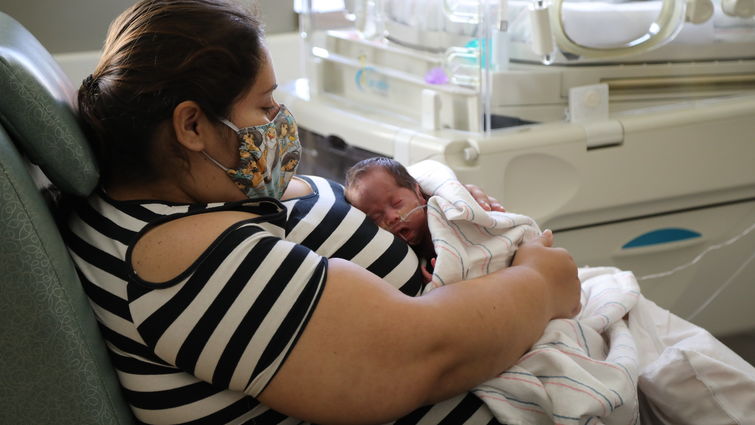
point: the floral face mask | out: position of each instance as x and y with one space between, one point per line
269 156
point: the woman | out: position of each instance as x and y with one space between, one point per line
221 303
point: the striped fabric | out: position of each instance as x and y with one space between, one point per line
326 223
582 370
189 350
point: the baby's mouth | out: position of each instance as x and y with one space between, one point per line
405 233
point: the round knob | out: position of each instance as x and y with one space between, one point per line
699 11
470 154
739 8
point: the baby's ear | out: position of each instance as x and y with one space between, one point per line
418 192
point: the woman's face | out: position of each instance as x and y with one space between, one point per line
257 106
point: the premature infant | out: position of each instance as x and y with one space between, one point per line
599 357
435 214
384 190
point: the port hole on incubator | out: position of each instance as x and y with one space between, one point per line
504 121
336 142
328 156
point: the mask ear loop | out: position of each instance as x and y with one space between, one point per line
213 160
231 125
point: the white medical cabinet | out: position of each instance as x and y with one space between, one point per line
628 128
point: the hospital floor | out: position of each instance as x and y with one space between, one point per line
743 344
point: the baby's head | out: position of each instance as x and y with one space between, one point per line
389 195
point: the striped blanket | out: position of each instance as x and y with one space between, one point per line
582 370
586 370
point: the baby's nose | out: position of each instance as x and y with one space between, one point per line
391 218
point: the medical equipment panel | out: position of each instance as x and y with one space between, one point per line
637 146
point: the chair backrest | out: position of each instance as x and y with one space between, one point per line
54 367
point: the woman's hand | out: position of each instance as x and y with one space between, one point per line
488 203
558 270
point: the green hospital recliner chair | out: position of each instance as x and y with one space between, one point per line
54 367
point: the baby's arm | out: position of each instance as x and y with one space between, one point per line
427 269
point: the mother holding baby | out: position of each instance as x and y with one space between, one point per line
229 299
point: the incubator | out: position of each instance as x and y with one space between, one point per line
626 127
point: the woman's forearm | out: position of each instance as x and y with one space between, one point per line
483 326
506 311
380 354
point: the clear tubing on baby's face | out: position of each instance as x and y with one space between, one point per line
405 216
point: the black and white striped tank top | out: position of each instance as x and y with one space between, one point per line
190 350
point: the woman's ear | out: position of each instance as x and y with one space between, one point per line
191 125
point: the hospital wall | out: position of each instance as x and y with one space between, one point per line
74 30
80 25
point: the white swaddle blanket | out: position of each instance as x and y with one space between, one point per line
586 370
572 372
468 240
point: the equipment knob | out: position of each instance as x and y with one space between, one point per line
699 11
471 154
739 8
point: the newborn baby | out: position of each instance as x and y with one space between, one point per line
435 214
384 190
587 368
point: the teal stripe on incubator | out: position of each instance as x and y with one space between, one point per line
661 236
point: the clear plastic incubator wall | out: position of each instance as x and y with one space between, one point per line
626 127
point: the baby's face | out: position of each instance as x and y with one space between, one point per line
385 202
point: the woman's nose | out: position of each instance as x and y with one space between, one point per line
274 111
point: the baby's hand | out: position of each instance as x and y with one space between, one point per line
427 274
488 203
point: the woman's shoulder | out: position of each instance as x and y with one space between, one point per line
161 239
165 251
169 246
307 186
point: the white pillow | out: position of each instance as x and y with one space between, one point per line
687 375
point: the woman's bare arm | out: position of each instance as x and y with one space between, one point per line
371 354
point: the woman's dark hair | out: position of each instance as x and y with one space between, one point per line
391 166
159 53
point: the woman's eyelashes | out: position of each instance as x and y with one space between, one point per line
271 107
